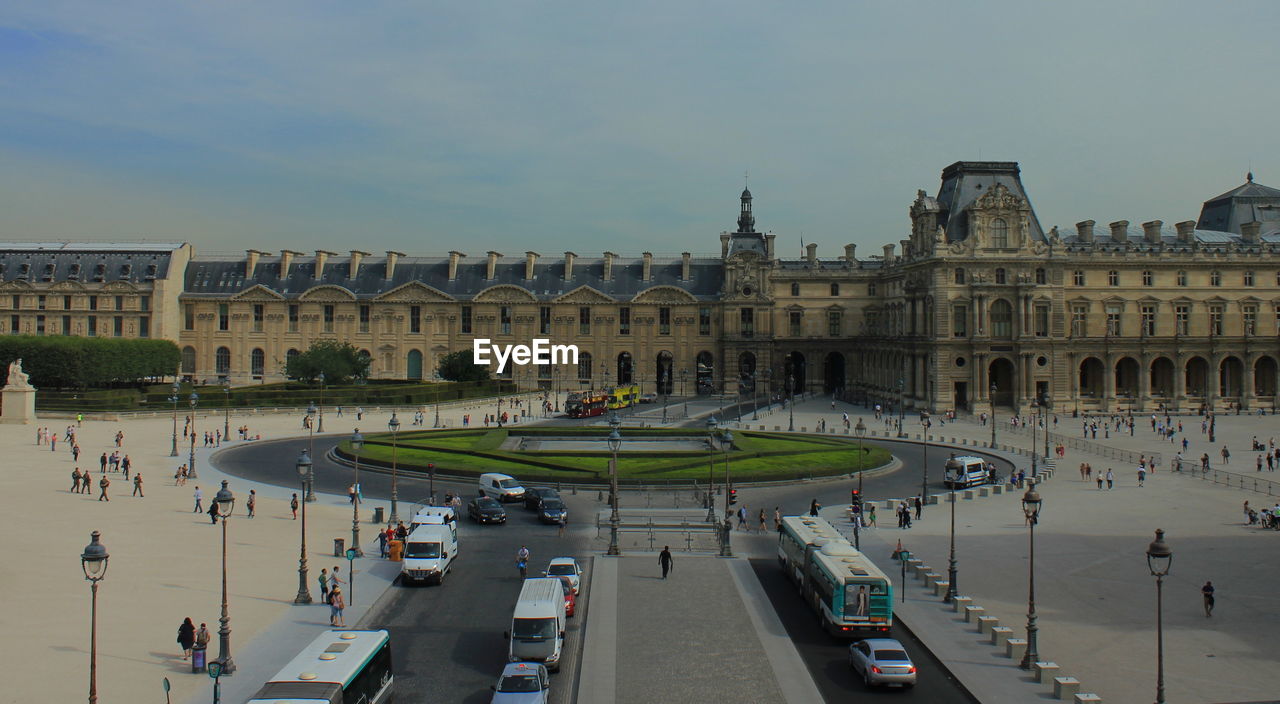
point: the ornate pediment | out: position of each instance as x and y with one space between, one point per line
120 286
664 294
67 286
257 292
998 197
327 292
16 285
584 294
506 293
414 292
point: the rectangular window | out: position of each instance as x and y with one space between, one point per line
1248 278
17 300
1113 278
504 320
466 320
224 316
544 320
584 320
293 317
1041 322
1250 319
833 323
119 302
15 323
624 321
39 324
960 321
364 318
1079 320
188 314
1215 278
1182 319
144 303
39 302
1148 278
415 319
117 326
1149 320
144 326
1114 312
92 326
1182 278
748 318
257 317
66 302
66 325
1215 320
664 321
1042 277
328 317
1077 277
835 289
795 323
93 302
704 321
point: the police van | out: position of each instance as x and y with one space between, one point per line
962 472
429 552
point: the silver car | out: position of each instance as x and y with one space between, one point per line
882 661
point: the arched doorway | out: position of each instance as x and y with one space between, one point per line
706 373
1002 378
624 368
222 361
1162 377
833 373
746 373
1231 377
257 363
1264 376
1091 371
662 372
1127 371
796 371
414 363
1197 376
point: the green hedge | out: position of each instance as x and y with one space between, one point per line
64 362
294 394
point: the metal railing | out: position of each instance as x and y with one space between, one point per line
1090 446
1225 478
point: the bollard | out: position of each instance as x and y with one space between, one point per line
1065 687
971 613
959 602
986 623
1044 671
1015 648
1000 635
940 587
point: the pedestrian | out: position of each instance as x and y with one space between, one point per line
103 462
80 421
336 605
252 503
75 480
324 585
1099 481
293 506
664 560
334 581
137 485
777 519
919 507
1142 475
813 507
75 452
359 413
202 637
199 501
1246 512
742 518
351 494
763 521
1226 455
1259 463
871 516
103 484
186 636
1110 478
1207 592
560 525
1083 478
382 543
213 512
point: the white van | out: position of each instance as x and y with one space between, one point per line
972 471
501 487
434 515
537 626
429 553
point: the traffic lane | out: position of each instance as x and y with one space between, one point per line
828 658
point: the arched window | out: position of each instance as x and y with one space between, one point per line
291 354
1001 319
960 276
188 360
999 233
1000 276
222 361
257 363
795 289
584 365
624 368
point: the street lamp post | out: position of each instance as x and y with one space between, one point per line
394 426
927 423
727 443
225 502
711 464
662 380
173 398
615 442
992 398
860 430
555 389
94 563
1044 415
684 375
357 444
226 410
1031 503
1034 424
902 406
1159 559
303 465
311 447
791 402
321 423
191 469
953 468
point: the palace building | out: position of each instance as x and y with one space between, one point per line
978 306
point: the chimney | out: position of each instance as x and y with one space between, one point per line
768 245
849 249
356 257
250 262
811 253
1120 231
568 265
530 259
1151 231
888 254
724 245
1084 230
906 249
392 258
684 266
492 265
608 265
646 273
454 256
1186 231
286 259
1250 231
322 256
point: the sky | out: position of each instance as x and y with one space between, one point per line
589 126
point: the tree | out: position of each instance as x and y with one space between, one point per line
461 366
340 362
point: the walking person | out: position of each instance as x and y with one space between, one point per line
252 503
102 461
186 636
1083 478
202 637
199 501
742 518
813 507
382 543
871 516
75 480
919 507
293 506
1226 455
1142 475
1110 479
1099 481
1207 592
336 606
126 464
664 560
777 519
334 581
137 485
324 585
764 521
103 484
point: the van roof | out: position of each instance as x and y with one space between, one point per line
430 532
539 598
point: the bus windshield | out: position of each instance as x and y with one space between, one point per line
422 550
533 628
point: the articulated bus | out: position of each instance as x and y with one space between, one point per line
831 574
584 404
624 396
339 667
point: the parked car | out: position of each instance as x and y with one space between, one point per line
648 398
570 597
535 494
552 510
522 683
568 568
484 509
502 487
882 661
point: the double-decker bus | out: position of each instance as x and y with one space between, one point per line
338 667
624 396
584 404
851 596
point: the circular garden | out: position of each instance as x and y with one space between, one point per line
582 454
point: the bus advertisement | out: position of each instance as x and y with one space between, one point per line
624 396
584 404
851 596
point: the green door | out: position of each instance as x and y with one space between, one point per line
415 364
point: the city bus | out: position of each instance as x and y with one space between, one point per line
624 396
830 574
338 667
584 404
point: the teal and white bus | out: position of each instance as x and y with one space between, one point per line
338 667
851 596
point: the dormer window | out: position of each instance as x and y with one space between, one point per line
999 233
74 273
99 272
152 270
125 270
48 271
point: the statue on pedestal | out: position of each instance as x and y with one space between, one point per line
17 378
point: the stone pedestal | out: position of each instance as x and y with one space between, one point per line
19 406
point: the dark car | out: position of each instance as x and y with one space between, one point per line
552 510
534 495
484 509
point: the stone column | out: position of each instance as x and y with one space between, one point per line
1179 382
1246 386
1144 383
1108 382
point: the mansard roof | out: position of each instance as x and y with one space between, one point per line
217 276
1249 202
86 262
965 181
